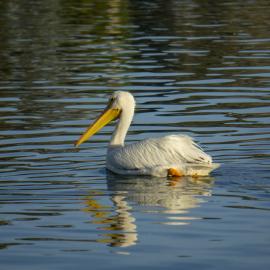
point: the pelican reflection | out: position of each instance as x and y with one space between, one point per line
174 198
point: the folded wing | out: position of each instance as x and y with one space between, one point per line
172 149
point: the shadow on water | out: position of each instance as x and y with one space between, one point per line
173 198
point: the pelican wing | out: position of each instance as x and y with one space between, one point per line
149 153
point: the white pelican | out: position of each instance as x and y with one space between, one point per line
172 155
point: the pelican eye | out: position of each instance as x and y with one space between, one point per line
111 100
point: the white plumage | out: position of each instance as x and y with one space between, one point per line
154 156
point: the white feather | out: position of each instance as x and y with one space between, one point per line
155 156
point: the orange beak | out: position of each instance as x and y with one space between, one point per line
106 117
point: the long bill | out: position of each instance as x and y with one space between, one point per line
107 116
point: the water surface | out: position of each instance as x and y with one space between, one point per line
202 69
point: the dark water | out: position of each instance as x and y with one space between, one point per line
197 67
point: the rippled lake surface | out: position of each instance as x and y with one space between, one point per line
200 68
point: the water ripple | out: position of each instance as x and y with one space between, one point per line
198 69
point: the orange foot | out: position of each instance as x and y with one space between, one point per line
174 172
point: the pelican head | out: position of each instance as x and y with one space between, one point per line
120 105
